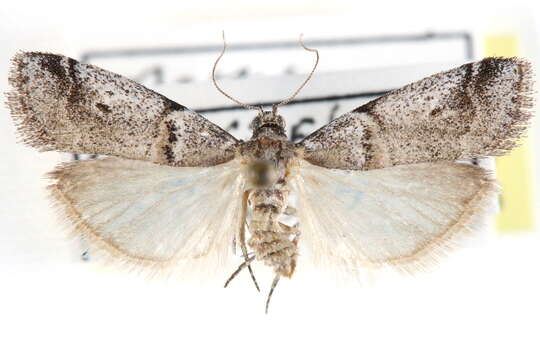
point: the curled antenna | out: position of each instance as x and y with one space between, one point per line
275 106
247 106
291 98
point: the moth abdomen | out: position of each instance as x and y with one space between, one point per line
273 242
276 250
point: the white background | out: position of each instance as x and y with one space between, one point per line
480 303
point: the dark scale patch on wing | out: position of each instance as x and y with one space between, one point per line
73 73
76 94
468 73
170 106
169 155
366 143
103 107
367 107
171 128
172 138
377 119
52 63
462 99
489 69
435 111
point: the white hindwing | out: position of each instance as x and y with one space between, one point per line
405 216
139 213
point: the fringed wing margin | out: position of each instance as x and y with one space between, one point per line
476 110
405 217
63 105
151 218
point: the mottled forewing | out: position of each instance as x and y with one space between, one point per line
478 109
61 104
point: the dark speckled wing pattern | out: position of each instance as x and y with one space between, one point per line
478 109
61 104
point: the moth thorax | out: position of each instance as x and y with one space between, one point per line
262 173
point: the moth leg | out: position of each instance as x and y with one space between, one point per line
242 265
274 284
242 238
253 276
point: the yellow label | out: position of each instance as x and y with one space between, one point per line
513 170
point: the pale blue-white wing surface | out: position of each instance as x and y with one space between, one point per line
404 216
139 213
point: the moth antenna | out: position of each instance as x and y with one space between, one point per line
291 98
247 106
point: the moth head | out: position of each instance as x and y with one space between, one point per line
268 123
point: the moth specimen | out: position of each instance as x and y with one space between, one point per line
377 186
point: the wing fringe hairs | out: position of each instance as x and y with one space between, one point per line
17 106
520 116
107 253
524 100
344 256
200 260
470 224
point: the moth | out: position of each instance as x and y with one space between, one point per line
377 186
